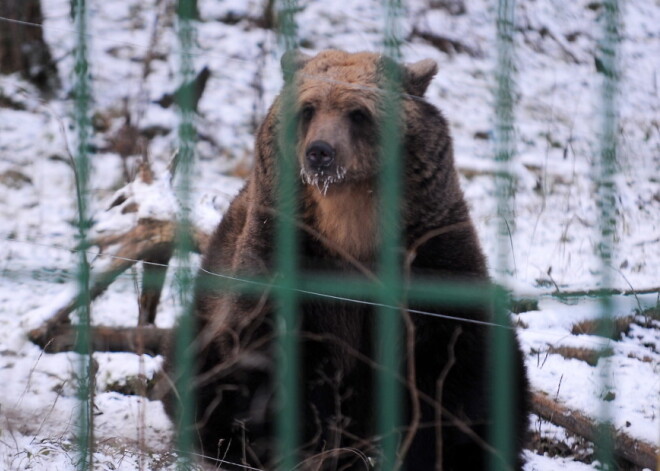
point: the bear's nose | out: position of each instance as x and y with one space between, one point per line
320 155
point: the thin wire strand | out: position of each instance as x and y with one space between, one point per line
604 343
265 285
219 461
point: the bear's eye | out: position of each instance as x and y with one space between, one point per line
307 112
359 116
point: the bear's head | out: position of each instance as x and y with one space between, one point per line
339 108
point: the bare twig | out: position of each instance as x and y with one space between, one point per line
411 377
451 360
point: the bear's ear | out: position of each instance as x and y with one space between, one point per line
418 76
294 60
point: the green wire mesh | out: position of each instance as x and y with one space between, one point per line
604 172
185 158
286 256
388 331
290 286
82 171
502 379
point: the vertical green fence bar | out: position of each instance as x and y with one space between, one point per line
389 320
604 180
502 339
286 256
186 10
82 171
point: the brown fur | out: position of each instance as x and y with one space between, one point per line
348 219
339 102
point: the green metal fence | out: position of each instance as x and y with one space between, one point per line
388 292
186 11
604 179
84 344
286 260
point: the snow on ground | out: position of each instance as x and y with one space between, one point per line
630 372
553 238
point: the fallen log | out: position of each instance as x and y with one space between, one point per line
148 340
153 341
150 239
638 452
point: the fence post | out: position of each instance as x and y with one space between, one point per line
502 428
388 343
81 174
286 259
606 64
184 354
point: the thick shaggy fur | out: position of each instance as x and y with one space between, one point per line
339 104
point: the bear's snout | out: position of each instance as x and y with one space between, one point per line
320 155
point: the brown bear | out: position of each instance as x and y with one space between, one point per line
339 109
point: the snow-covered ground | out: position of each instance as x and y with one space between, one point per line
554 235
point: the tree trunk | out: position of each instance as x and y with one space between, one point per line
22 46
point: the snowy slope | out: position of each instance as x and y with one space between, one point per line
553 237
